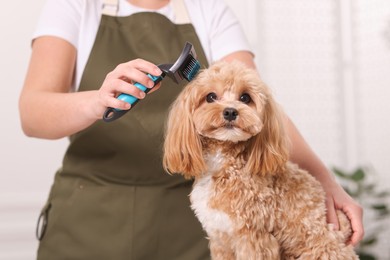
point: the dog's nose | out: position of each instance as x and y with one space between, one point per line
230 114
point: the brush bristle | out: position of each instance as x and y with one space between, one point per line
191 69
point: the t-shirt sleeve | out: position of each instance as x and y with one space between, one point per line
60 18
225 31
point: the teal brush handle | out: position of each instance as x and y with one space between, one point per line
112 114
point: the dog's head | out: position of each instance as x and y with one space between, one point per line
227 102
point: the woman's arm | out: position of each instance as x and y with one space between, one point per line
302 154
48 108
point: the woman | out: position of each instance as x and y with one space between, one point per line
111 198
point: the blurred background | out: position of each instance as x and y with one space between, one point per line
328 63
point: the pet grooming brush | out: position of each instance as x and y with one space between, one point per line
185 67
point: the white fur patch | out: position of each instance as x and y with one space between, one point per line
211 219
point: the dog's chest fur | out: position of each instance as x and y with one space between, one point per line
212 219
212 197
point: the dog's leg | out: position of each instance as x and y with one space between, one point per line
257 247
220 248
327 244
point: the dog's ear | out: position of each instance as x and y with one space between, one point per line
269 151
182 145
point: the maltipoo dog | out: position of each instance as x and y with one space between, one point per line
226 131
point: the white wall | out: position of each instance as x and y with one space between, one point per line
327 62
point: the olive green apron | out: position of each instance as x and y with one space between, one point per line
112 199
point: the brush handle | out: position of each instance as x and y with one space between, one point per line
112 114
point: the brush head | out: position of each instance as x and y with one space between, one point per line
192 68
186 66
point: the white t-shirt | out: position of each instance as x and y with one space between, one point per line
77 22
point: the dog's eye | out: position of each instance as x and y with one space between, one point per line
245 98
211 97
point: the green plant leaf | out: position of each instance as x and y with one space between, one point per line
366 256
368 241
340 173
382 194
358 175
379 206
369 188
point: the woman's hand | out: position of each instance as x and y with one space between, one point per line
338 199
121 80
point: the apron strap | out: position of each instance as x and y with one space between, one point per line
110 7
180 10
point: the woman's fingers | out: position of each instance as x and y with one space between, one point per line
355 214
122 80
331 214
136 70
157 87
